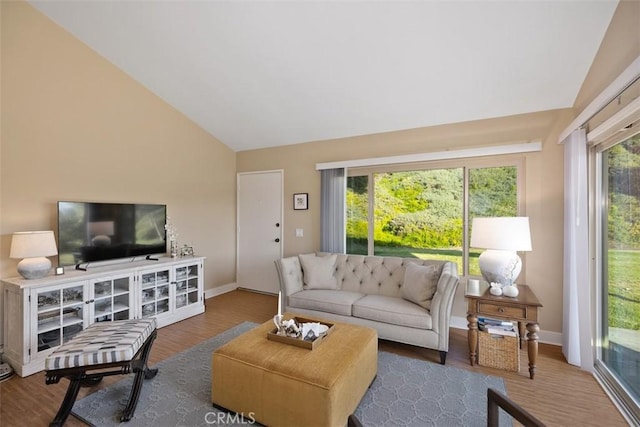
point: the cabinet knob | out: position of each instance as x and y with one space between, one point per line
500 310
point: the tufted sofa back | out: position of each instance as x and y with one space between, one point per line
375 275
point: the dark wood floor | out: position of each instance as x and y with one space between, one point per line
560 395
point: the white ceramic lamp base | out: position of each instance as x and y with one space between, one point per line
500 266
34 268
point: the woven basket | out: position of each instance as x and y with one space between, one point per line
498 351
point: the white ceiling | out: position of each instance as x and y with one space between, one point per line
265 73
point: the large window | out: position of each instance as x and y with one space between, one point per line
426 211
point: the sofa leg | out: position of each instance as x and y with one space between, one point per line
443 357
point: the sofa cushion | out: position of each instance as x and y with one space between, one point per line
395 311
329 301
318 271
420 282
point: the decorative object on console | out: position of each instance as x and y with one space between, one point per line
172 235
502 237
33 247
186 250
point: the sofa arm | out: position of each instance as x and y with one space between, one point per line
290 275
442 303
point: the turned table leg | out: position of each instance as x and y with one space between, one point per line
532 347
472 337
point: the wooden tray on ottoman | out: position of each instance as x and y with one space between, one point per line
299 342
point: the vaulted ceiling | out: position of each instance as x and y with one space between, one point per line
266 73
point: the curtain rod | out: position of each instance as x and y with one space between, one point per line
522 147
622 82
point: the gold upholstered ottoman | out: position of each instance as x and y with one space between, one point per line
279 384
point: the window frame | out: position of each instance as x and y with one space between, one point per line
517 161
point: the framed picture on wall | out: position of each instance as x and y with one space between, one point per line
300 201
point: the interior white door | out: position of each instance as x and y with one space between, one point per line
259 229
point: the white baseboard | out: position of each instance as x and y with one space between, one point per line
546 337
219 290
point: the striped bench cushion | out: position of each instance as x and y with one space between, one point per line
104 342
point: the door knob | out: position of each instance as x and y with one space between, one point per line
277 240
277 224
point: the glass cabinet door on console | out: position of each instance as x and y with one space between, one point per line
40 315
154 293
111 298
59 315
187 285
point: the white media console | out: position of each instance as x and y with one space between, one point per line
41 314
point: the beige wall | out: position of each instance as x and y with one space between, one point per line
543 191
74 127
620 46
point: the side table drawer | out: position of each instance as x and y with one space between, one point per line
501 310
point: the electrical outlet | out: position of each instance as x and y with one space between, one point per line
299 232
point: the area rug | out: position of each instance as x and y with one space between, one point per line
407 392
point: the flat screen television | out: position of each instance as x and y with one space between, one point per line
90 232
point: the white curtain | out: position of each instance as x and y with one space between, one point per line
577 317
332 212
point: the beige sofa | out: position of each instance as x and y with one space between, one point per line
406 300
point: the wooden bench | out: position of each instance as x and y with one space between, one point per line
103 349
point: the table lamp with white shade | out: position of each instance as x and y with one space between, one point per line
33 247
502 237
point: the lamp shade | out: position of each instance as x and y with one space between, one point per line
31 244
502 237
501 233
33 247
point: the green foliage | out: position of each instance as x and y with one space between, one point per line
419 209
423 209
492 192
624 289
357 208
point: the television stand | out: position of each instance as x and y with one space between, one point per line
170 290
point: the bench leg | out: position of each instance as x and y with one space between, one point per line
142 372
67 403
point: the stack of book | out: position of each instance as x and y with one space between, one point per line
497 327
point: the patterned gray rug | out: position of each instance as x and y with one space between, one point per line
407 392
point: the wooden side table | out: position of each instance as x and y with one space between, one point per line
523 309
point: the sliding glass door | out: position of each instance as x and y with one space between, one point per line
619 322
